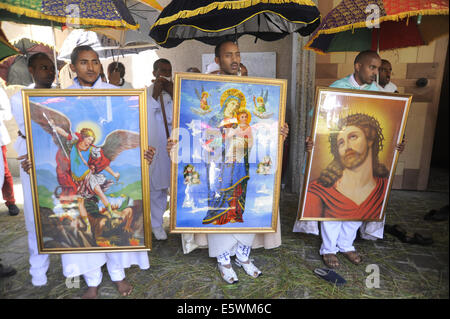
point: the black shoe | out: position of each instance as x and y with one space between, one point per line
13 210
6 271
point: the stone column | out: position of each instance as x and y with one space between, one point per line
299 115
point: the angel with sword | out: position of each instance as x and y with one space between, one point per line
79 161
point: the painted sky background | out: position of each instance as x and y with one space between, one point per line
124 115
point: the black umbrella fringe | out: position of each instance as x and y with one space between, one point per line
222 17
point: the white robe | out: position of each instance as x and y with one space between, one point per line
368 230
160 168
218 243
39 263
79 264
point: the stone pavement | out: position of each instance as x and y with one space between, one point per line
405 270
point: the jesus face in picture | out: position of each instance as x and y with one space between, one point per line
353 147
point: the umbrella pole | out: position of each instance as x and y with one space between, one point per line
54 55
378 52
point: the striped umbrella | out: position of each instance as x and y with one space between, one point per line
358 25
106 13
6 49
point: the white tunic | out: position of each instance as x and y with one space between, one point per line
390 88
160 168
78 264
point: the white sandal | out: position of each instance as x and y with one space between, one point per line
249 268
228 274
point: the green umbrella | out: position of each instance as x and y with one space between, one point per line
6 49
76 13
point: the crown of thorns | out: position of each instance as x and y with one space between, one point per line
362 121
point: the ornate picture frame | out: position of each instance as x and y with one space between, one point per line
226 170
89 178
350 170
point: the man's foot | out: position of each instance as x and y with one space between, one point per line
91 293
353 257
330 260
13 210
124 287
249 268
159 233
6 271
228 274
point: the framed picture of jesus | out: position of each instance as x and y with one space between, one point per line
89 178
350 169
226 169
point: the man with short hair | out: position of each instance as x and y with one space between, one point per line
338 236
116 75
160 109
223 246
385 83
86 64
42 70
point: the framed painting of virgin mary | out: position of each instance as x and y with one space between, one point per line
89 179
226 169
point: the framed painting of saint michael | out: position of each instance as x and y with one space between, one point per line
352 164
89 177
226 169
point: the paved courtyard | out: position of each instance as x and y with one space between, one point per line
405 270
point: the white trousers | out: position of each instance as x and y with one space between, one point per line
39 263
338 236
94 277
158 205
219 244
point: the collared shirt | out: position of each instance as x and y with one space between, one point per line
99 84
349 82
390 88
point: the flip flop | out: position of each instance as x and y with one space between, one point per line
330 276
396 231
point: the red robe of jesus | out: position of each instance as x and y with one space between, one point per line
328 202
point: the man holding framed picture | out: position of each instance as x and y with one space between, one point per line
42 70
338 236
86 64
160 109
224 246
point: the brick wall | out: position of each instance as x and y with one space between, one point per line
408 64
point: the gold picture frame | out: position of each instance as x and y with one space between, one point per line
350 170
226 171
88 197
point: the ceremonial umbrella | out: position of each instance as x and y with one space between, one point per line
358 25
6 49
214 21
103 45
145 14
14 69
76 13
73 13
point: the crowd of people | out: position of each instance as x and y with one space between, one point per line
337 236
